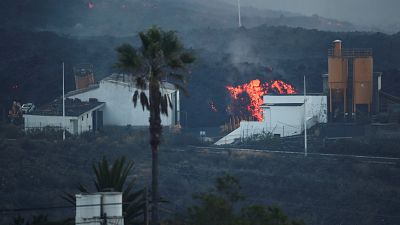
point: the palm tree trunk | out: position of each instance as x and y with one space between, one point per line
155 136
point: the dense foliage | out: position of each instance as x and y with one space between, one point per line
221 206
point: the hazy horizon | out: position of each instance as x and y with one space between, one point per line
361 12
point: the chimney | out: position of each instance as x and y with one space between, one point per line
84 76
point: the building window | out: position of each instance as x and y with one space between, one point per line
87 115
82 118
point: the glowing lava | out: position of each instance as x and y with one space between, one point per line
255 90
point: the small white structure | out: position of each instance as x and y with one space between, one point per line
95 209
116 91
79 116
283 116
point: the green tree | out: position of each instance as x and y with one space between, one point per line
111 178
219 206
161 56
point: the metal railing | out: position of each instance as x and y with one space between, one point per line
352 52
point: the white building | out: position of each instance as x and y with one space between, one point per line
116 91
283 116
79 116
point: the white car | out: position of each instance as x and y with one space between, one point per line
27 107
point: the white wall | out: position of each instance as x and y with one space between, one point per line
246 129
317 108
84 122
284 120
289 120
39 122
316 105
119 109
280 119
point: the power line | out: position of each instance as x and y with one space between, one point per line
6 211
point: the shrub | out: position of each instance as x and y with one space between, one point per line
10 131
180 139
49 133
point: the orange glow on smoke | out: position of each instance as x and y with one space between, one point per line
255 90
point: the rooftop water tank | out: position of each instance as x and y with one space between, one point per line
94 209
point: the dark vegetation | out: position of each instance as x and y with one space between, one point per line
35 172
360 145
113 177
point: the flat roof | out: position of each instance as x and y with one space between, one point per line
281 104
73 108
126 79
298 94
83 90
119 79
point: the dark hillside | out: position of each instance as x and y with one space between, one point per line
121 17
30 69
31 63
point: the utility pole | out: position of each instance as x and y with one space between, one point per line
146 207
63 100
305 119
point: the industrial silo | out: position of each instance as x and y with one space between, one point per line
337 80
362 84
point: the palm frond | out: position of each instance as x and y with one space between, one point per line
135 97
144 101
181 87
171 44
141 82
170 103
82 189
175 63
129 58
164 105
145 40
70 198
187 57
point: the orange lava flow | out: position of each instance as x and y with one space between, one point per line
255 90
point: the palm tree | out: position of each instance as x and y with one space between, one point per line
114 178
161 56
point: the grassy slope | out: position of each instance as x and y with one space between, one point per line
322 190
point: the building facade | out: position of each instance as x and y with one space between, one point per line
116 91
79 116
283 116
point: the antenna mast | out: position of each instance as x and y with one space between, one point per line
305 119
239 16
63 101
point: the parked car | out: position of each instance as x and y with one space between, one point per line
27 107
